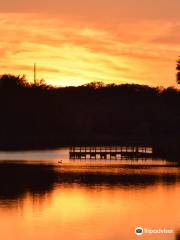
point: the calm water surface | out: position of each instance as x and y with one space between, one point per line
85 200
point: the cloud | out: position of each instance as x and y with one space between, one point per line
101 10
170 37
76 52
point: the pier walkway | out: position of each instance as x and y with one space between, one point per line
112 152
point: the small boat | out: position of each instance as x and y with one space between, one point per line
60 161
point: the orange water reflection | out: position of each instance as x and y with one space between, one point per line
85 200
80 212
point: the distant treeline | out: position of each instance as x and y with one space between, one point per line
40 116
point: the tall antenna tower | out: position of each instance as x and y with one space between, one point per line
35 69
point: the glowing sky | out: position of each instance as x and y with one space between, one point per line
76 41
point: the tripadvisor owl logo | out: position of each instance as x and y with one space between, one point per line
139 231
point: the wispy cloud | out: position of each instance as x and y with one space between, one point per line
70 52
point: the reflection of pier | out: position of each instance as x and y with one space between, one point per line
113 152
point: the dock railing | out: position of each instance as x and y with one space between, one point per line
109 151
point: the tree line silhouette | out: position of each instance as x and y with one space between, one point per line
41 116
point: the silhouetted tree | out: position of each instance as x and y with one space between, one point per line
9 81
178 236
178 71
95 85
34 116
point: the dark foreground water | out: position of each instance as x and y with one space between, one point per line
84 200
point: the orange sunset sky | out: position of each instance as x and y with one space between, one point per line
78 41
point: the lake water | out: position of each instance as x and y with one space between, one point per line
86 199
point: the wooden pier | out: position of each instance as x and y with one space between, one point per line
112 152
